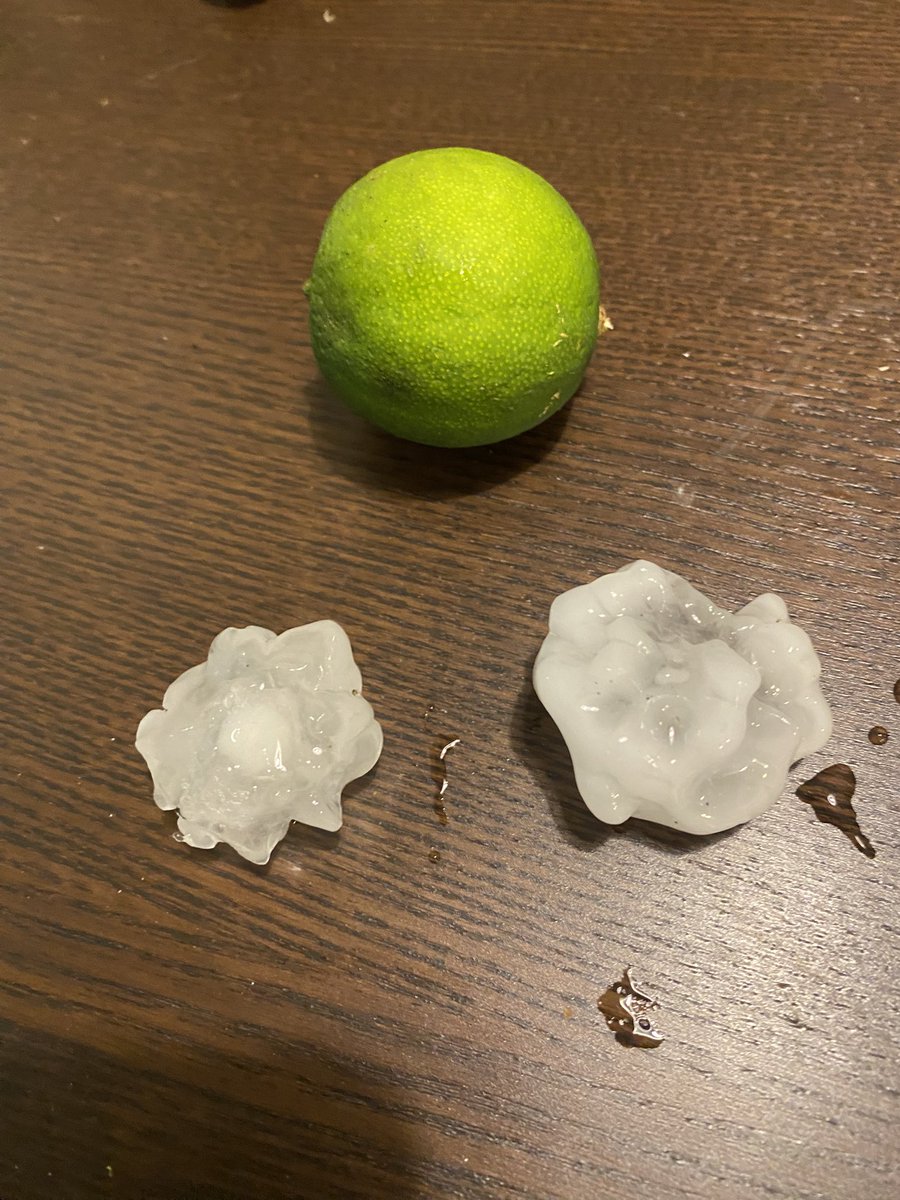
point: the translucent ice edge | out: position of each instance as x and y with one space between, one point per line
267 731
673 709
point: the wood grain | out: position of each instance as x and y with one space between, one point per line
357 1020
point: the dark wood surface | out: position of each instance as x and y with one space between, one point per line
358 1020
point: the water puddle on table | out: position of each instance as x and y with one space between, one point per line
830 794
440 748
627 1008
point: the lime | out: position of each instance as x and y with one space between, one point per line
454 297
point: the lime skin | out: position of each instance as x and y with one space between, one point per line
454 298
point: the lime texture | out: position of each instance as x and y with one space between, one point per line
454 297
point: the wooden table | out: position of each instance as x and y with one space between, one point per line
358 1020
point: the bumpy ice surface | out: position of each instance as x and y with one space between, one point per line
267 731
673 709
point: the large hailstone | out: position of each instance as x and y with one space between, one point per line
673 709
267 731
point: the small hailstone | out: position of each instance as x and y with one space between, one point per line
673 709
267 731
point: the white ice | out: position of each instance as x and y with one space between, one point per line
676 710
267 731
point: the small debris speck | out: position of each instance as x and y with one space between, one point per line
887 368
329 17
104 101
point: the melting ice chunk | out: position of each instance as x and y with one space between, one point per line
673 709
267 731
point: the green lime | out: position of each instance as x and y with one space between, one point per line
454 297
